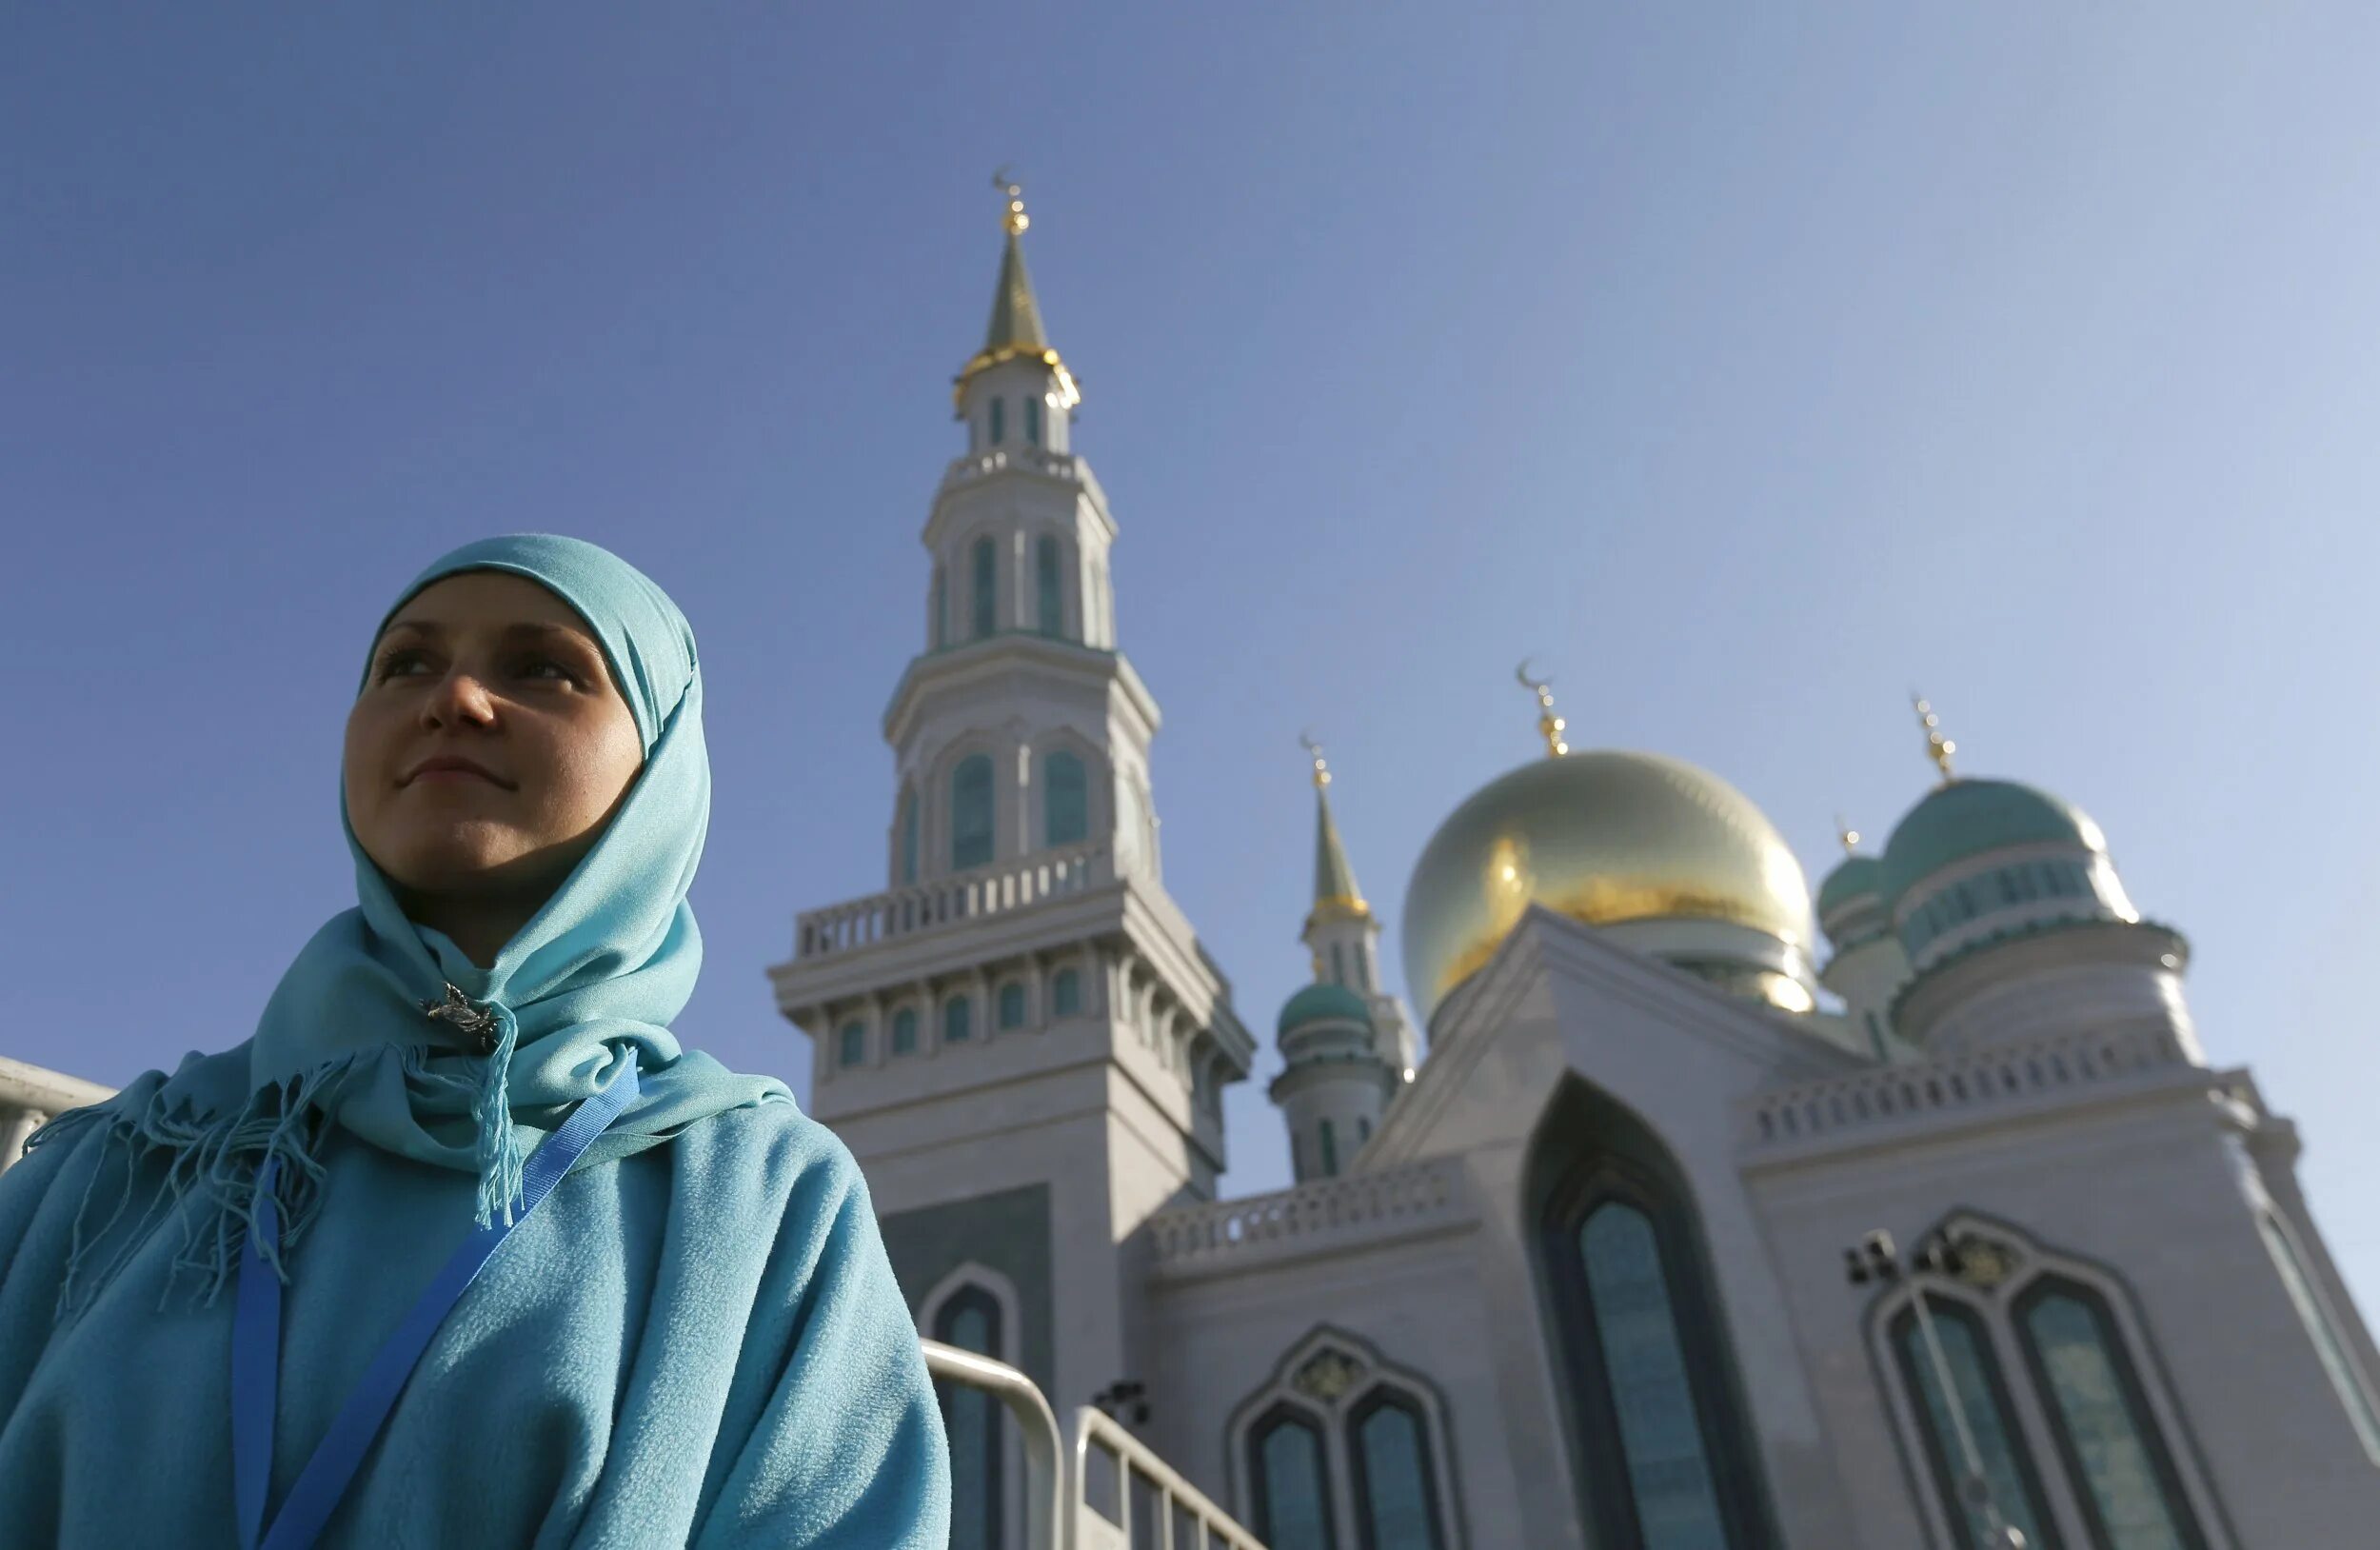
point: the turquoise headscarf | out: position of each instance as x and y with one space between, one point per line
602 968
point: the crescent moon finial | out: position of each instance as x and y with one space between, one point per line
1014 219
1549 724
1322 769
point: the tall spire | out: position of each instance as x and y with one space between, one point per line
1335 889
1015 333
1549 725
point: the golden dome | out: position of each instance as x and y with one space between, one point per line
1601 837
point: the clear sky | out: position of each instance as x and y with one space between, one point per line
1747 369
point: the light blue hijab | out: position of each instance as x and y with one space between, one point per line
602 968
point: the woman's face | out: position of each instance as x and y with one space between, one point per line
490 746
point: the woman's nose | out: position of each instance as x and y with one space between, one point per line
459 700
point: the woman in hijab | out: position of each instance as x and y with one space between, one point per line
462 1248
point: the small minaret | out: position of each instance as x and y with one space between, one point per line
1869 967
1344 936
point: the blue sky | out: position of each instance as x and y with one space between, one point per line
1747 369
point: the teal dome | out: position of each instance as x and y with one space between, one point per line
1859 877
1323 1004
1967 818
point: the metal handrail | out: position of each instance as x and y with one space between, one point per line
1046 1484
1220 1530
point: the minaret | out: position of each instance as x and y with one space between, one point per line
1344 936
1346 1049
1021 1039
1868 968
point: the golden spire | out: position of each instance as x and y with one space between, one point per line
1335 894
1849 836
1938 748
1549 724
1015 333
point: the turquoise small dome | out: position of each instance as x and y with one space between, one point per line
1859 877
1966 818
1323 1004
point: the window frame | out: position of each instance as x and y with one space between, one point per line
1902 1334
1379 1397
1287 1412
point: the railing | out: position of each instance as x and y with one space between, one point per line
1396 1200
1150 1507
965 896
1128 1499
1996 1077
966 471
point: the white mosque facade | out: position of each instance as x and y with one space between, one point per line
1579 1279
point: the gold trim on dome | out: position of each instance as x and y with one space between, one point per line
1068 393
1600 838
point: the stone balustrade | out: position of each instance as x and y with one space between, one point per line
2004 1077
1321 1215
963 896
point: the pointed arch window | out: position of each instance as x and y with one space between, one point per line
2107 1437
984 608
1290 1480
1330 1151
971 813
999 420
1065 993
905 1031
1664 1455
1033 422
908 860
1049 585
1983 1403
958 1021
851 1044
1011 1006
1066 799
1395 1484
970 1320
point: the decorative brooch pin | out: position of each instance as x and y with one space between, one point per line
468 1018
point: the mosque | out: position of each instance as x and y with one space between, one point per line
1690 1231
1596 1271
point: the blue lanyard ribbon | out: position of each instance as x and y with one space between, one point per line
256 1343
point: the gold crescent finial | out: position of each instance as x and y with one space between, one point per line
1015 220
1850 836
1322 771
1938 748
1549 724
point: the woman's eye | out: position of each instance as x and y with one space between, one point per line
393 662
543 666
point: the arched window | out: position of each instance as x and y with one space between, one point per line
983 611
1338 965
1664 1457
1065 993
970 1320
851 1044
1983 1403
2107 1437
1033 422
958 1021
908 836
1012 1005
2336 1362
905 1031
999 420
1290 1481
1066 799
1330 1152
971 813
1049 587
1396 1482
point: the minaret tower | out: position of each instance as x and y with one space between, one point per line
1020 1038
1341 1066
1344 936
